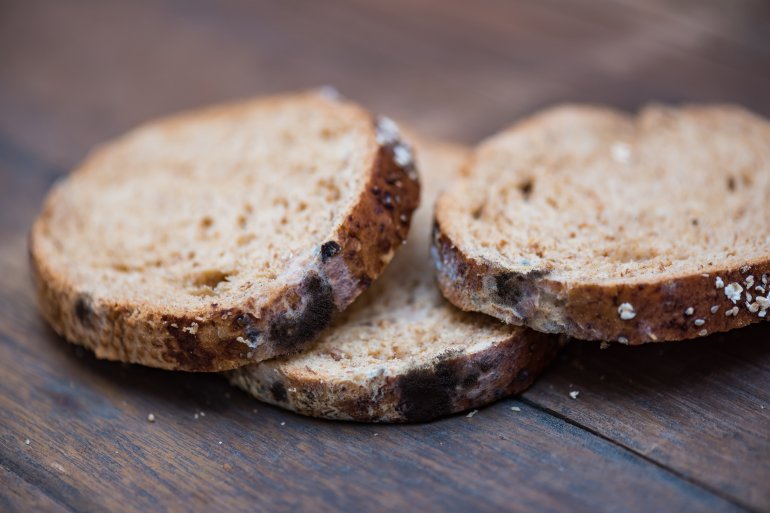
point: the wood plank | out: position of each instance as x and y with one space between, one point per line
700 408
61 93
18 496
92 447
77 74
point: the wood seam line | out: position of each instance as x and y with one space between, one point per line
37 487
698 484
677 52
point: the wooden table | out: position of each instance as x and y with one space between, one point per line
680 427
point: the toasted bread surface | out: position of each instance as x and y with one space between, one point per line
602 225
402 353
225 236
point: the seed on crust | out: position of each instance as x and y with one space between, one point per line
733 292
626 311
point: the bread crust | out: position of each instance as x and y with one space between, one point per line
631 311
215 338
487 362
451 382
591 311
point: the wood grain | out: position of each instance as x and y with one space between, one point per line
700 409
662 428
93 448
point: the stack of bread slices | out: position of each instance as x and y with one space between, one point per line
279 241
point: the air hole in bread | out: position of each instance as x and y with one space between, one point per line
206 282
526 188
244 240
121 267
730 183
206 222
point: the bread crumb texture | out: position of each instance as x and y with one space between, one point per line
402 352
579 211
212 238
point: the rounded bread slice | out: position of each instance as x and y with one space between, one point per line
602 225
220 237
402 353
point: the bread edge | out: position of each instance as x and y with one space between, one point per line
661 308
451 382
217 339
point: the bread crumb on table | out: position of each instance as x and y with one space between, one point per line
26 441
471 414
574 394
515 408
151 417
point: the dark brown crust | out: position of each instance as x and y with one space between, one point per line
449 383
218 339
590 311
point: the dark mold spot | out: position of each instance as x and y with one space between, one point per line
365 280
329 250
470 380
512 288
278 391
188 351
429 392
730 183
248 323
83 311
289 331
243 320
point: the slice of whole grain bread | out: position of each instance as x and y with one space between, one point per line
216 238
601 225
402 352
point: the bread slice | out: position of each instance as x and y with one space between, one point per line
601 225
402 352
216 238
